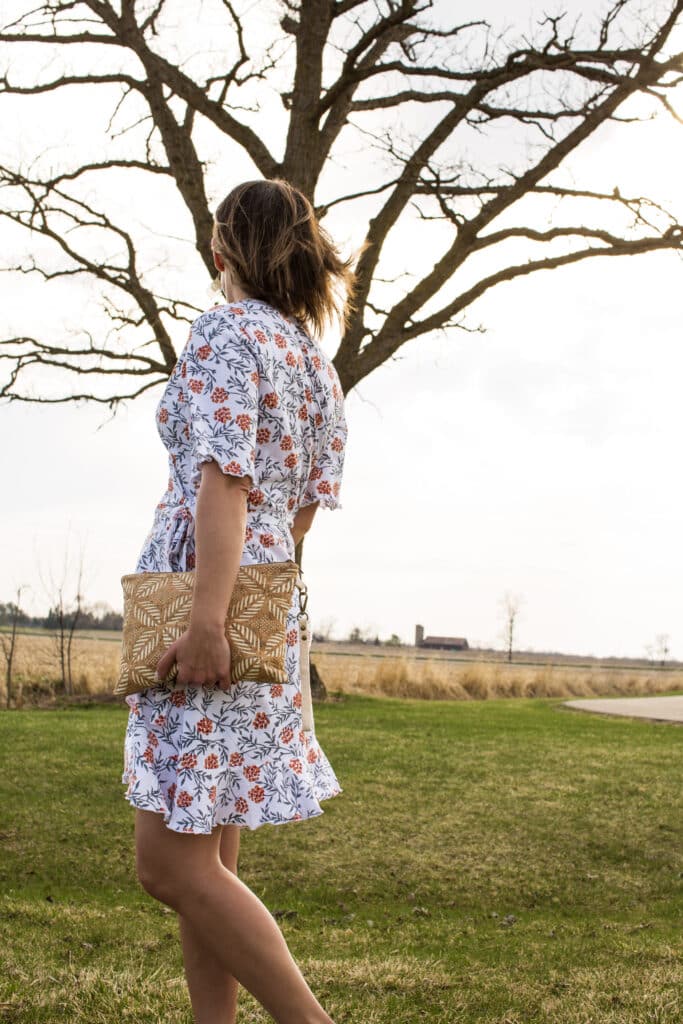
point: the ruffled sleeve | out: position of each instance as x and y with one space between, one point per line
325 477
222 379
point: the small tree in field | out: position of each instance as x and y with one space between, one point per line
662 648
323 629
511 604
8 643
63 617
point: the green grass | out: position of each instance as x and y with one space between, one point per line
502 861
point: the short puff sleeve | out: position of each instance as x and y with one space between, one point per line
325 477
222 380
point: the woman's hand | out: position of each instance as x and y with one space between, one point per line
203 657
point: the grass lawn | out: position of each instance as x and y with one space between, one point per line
502 861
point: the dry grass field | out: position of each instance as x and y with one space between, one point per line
366 669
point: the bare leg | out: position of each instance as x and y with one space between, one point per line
213 991
185 872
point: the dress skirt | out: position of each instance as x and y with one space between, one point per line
203 757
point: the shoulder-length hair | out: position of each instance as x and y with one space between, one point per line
268 234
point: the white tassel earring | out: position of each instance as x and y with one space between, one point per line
215 288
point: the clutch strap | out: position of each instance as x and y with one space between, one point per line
304 655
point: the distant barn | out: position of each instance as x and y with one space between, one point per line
440 643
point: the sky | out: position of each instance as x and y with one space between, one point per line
539 457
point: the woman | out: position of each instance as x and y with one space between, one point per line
253 420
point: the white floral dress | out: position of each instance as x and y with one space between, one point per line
252 391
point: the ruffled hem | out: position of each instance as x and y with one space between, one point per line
156 802
206 786
202 757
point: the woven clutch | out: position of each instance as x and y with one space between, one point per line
156 611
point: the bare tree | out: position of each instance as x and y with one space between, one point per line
64 615
323 629
403 78
408 84
8 642
511 604
662 648
360 635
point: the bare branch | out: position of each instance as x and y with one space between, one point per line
101 165
58 83
54 214
376 352
356 61
671 240
128 35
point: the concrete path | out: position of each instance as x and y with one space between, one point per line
657 709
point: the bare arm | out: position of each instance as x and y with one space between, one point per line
303 520
221 519
202 651
220 525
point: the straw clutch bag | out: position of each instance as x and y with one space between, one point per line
156 611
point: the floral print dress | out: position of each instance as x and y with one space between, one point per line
252 391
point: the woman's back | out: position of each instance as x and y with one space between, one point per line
254 392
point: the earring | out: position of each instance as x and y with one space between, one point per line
215 288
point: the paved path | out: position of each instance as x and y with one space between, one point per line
658 709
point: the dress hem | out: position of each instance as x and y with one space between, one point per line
241 823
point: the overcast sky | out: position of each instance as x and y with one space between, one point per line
540 457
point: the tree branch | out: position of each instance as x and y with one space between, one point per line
354 60
47 202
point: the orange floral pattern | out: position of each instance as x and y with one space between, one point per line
253 392
256 765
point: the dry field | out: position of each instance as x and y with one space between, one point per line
365 669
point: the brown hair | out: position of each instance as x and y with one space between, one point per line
268 234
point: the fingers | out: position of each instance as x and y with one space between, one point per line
186 677
166 661
199 661
198 677
224 678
